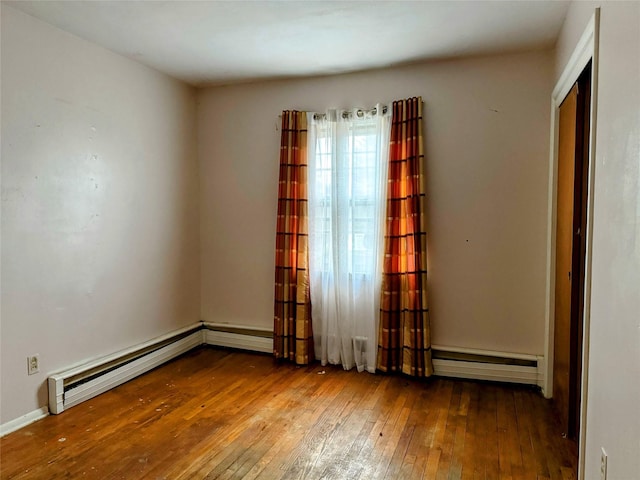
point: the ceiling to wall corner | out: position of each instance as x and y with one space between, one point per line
222 42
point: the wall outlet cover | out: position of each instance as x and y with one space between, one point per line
33 364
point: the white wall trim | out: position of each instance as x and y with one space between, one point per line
585 50
23 421
581 55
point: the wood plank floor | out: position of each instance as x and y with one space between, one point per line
221 414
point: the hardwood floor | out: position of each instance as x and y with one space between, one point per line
221 414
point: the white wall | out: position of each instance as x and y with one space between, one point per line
100 238
613 396
487 140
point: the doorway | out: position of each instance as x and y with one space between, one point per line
570 247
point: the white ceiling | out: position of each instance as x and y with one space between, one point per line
219 42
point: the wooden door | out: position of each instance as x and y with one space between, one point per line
571 215
564 254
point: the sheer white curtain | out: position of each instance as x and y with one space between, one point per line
348 164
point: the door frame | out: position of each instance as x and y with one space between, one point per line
586 50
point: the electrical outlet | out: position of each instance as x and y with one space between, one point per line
603 465
33 364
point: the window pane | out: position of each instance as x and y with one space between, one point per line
347 206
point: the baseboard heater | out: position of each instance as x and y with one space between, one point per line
243 338
75 385
82 382
85 381
487 365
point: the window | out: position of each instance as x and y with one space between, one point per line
345 199
348 154
361 176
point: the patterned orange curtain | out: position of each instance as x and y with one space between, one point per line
292 331
404 339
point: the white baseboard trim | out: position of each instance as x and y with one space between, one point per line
23 421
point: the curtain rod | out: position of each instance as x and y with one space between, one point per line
348 113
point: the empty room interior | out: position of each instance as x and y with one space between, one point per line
178 300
